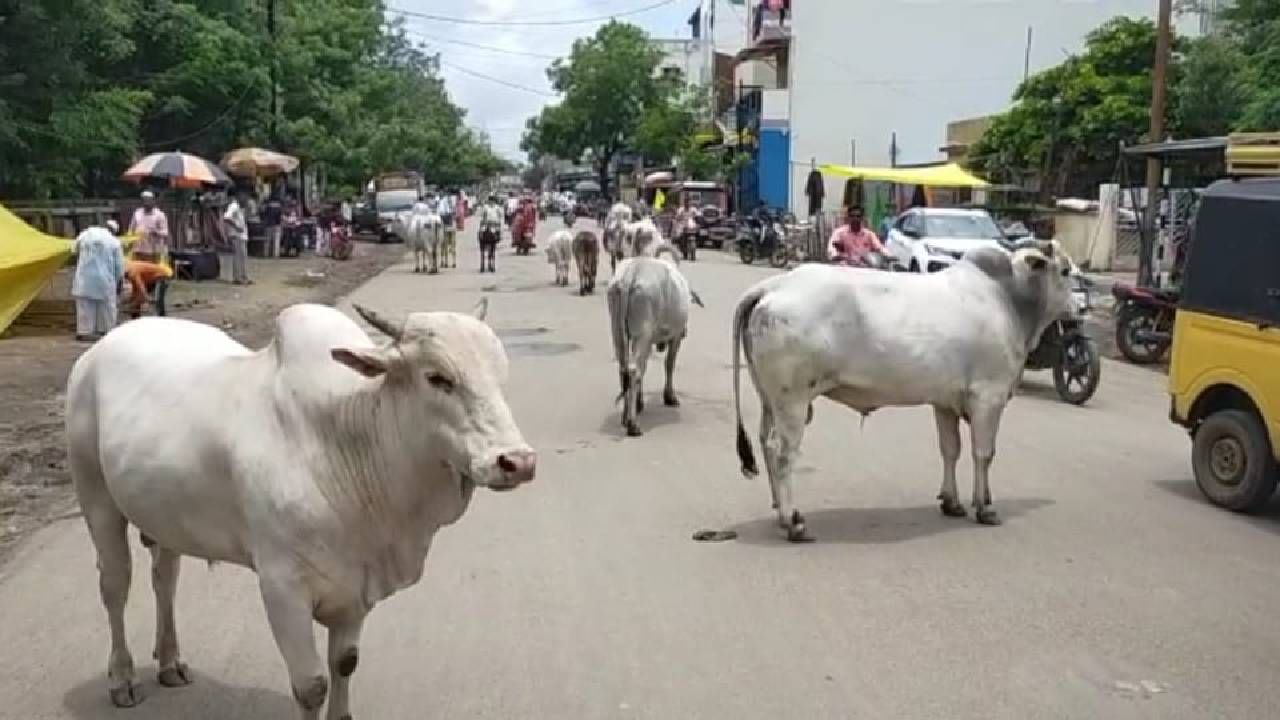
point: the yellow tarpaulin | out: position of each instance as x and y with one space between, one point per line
949 175
28 258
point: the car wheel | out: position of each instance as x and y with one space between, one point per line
1232 460
915 266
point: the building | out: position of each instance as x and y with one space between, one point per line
962 135
874 83
1210 20
686 58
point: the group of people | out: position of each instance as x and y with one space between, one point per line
102 268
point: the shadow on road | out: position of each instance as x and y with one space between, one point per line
655 415
1268 518
205 697
876 526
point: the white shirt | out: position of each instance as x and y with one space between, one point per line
233 217
446 205
491 214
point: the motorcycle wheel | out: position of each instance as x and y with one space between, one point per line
1129 323
746 253
1078 371
343 251
779 257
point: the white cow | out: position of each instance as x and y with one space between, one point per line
323 462
560 254
615 222
648 308
641 238
426 232
956 340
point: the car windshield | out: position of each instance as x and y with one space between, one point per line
962 227
396 200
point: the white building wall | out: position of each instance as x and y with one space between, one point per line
863 69
687 56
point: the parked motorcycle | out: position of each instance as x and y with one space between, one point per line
1144 322
1072 355
762 234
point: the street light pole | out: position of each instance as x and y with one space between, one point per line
1159 81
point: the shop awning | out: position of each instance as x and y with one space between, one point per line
949 175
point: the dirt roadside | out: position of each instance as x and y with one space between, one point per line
37 353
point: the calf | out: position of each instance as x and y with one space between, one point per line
586 254
956 340
560 254
648 302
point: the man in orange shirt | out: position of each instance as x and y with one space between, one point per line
852 242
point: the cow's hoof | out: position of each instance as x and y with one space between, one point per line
128 695
988 516
952 508
670 400
796 530
633 430
176 676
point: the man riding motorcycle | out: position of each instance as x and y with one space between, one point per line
854 245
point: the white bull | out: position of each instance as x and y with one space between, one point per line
560 254
641 238
956 340
426 231
615 222
648 308
323 462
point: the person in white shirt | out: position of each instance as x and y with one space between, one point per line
95 285
237 227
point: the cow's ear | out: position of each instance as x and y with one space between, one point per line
369 363
1036 261
481 310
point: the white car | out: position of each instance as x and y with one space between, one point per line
933 239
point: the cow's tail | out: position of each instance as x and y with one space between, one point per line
619 297
741 345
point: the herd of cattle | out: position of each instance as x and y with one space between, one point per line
386 442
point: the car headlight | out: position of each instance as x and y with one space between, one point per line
940 252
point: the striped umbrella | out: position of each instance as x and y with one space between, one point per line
257 162
178 169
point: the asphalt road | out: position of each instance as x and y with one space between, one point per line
1111 591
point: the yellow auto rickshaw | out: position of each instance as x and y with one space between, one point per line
1224 373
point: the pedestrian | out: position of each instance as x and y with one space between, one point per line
272 214
96 284
461 209
237 227
490 233
152 228
345 211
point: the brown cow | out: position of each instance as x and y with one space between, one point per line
586 252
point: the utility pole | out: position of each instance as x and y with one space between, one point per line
273 127
1026 57
1159 81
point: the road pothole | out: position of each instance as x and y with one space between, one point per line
520 332
542 349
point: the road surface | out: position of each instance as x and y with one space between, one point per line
1111 591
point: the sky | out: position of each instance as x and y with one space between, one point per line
526 50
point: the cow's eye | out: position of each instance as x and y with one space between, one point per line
440 382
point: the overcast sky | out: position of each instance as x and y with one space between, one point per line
501 110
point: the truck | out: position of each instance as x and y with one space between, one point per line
393 194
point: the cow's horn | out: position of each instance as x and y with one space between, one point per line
383 325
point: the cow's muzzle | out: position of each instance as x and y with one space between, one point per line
515 468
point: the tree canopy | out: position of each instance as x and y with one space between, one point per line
86 86
1067 122
609 85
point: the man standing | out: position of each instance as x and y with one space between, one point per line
851 243
152 228
99 270
490 233
237 227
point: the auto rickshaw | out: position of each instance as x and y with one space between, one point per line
1224 372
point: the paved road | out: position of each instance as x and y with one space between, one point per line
583 596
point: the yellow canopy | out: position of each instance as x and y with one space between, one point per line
28 258
949 175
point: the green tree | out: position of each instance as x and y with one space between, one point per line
608 84
1067 123
1212 89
